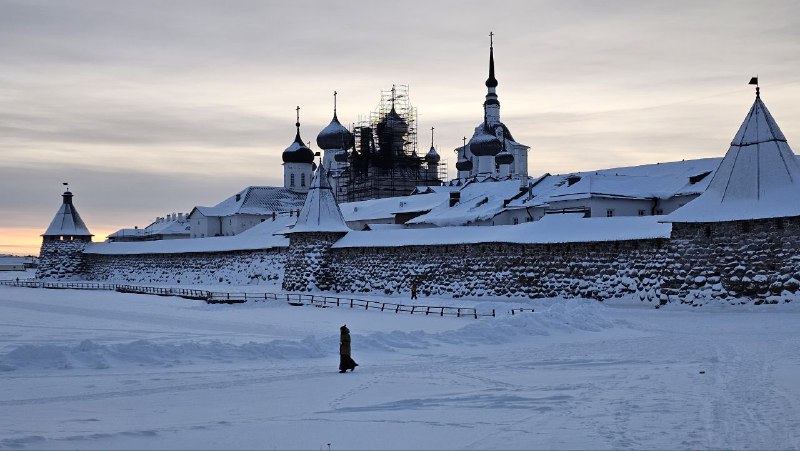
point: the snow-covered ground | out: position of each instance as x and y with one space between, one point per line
105 370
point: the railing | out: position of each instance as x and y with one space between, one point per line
337 301
212 297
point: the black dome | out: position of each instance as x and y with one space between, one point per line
504 157
432 156
485 144
464 165
297 152
341 156
335 136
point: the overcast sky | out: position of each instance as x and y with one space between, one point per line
149 108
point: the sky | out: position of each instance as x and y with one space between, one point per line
152 107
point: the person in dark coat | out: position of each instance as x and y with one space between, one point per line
413 290
345 361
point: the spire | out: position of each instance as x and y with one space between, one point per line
758 178
67 221
491 82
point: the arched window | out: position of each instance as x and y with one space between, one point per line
291 180
302 180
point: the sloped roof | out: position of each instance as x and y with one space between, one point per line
257 200
478 202
320 211
758 178
386 207
262 236
67 221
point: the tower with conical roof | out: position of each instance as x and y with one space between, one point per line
297 163
741 237
319 225
61 254
758 178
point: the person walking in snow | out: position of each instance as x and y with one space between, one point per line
345 361
413 290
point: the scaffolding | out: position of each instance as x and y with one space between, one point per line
384 160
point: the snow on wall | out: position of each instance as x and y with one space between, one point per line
261 267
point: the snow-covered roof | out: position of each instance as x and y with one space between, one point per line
386 208
160 226
759 177
67 221
262 236
256 200
478 202
550 229
320 212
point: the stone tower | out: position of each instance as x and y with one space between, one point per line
319 225
61 255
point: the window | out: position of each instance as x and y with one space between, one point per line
516 221
659 212
609 213
641 212
302 180
291 179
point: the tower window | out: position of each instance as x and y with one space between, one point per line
291 179
609 212
641 212
302 180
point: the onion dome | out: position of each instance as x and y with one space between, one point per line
297 152
464 165
341 156
432 157
335 136
394 122
485 144
504 157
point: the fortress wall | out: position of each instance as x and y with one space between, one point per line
600 270
261 266
734 261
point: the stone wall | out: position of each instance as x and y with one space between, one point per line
600 270
61 259
264 267
736 261
308 262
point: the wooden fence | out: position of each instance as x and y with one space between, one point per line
213 297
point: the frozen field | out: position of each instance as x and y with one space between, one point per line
103 370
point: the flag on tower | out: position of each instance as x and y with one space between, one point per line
753 81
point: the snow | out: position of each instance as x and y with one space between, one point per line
105 370
256 200
478 202
320 213
758 178
262 236
385 208
555 228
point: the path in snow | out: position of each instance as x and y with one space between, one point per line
150 372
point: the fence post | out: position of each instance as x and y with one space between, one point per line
412 309
475 311
427 310
492 313
442 313
366 307
458 313
351 303
383 305
397 309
